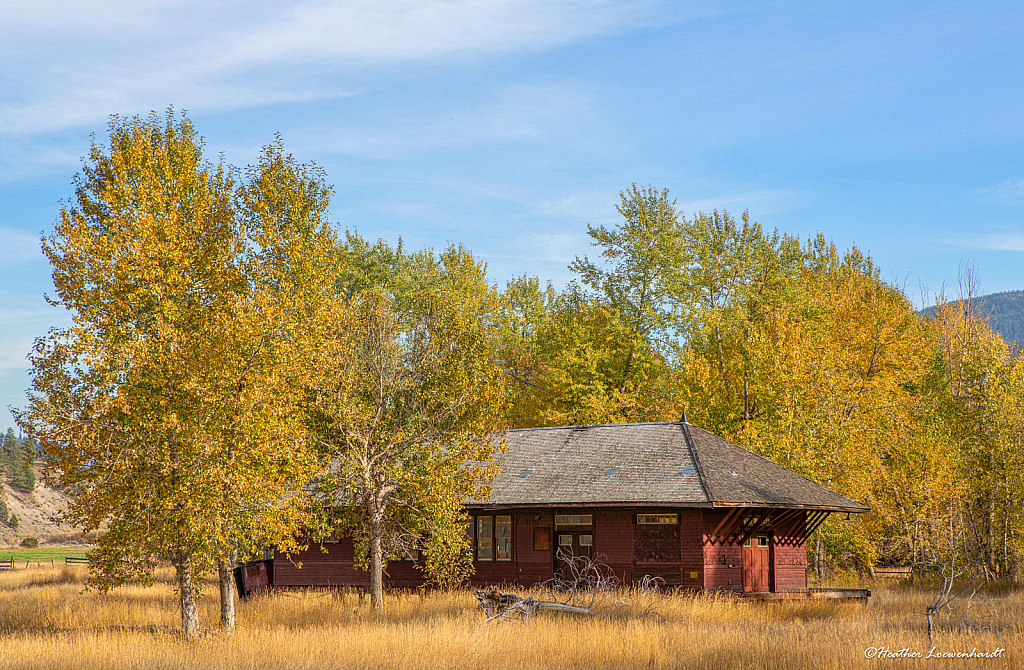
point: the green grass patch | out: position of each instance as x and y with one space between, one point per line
42 555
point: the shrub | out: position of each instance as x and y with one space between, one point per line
30 542
14 523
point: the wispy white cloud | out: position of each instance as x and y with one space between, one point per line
18 245
760 202
594 207
1010 191
25 317
66 66
517 113
1010 241
1000 241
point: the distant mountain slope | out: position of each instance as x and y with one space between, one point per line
1004 312
35 511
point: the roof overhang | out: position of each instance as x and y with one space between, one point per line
666 505
816 508
582 505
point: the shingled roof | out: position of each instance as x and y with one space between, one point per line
646 464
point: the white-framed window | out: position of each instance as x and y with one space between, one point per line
574 519
565 540
586 540
654 519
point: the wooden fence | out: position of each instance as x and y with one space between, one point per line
893 572
10 564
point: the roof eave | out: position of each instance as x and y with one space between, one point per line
580 505
860 509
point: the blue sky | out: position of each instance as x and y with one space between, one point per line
507 126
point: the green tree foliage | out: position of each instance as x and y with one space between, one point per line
16 457
411 393
9 450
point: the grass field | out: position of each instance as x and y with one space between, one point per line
47 621
41 554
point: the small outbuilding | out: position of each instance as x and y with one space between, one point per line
660 500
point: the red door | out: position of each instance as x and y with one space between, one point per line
755 564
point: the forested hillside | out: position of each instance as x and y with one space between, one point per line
1004 313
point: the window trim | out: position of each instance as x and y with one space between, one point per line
647 519
507 538
480 539
475 541
573 520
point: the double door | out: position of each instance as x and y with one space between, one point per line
570 544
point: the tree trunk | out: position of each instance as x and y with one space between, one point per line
819 568
746 400
227 595
225 568
376 557
187 595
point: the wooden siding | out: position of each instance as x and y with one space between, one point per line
680 554
723 563
613 542
789 558
532 566
670 552
691 551
336 567
656 543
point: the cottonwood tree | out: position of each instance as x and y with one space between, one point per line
977 395
642 256
166 409
406 413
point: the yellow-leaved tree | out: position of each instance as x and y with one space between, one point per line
167 410
407 411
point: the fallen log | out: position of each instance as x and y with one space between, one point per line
499 605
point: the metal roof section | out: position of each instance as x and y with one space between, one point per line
645 464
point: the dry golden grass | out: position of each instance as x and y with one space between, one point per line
46 621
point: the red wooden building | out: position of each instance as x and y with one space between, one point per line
666 500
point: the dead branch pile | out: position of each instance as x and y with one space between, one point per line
581 586
582 581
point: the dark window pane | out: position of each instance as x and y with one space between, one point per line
485 541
